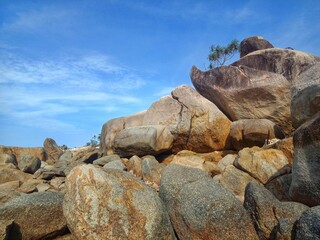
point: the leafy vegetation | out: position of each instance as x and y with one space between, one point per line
94 141
218 55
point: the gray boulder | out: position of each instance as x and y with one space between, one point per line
120 206
36 216
29 164
143 140
305 96
106 159
116 164
151 170
201 208
308 225
305 185
266 211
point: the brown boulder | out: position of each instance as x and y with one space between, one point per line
196 123
111 204
305 185
305 96
111 128
253 132
36 216
262 164
52 149
245 93
252 44
19 151
8 174
289 63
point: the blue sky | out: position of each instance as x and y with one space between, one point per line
68 66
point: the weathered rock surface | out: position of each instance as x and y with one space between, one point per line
19 151
196 123
226 161
111 128
143 140
9 191
236 181
52 149
252 44
135 166
5 228
151 170
36 216
191 159
116 164
253 132
29 164
8 174
308 225
106 159
286 146
266 211
201 208
119 206
305 96
262 164
8 158
289 63
280 186
64 159
305 185
246 93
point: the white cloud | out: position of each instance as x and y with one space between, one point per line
39 93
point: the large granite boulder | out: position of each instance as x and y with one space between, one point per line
143 140
36 216
246 93
267 211
262 164
201 208
252 44
111 128
289 63
111 204
196 123
253 132
305 185
8 174
306 96
29 164
52 149
20 151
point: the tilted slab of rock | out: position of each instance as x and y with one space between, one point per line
201 208
267 211
253 132
36 215
52 149
196 123
289 63
111 128
111 204
19 151
306 96
8 174
262 164
245 93
305 185
143 140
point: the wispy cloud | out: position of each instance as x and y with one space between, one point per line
39 92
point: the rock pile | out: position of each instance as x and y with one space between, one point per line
215 162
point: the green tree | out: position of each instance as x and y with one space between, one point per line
94 141
218 55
